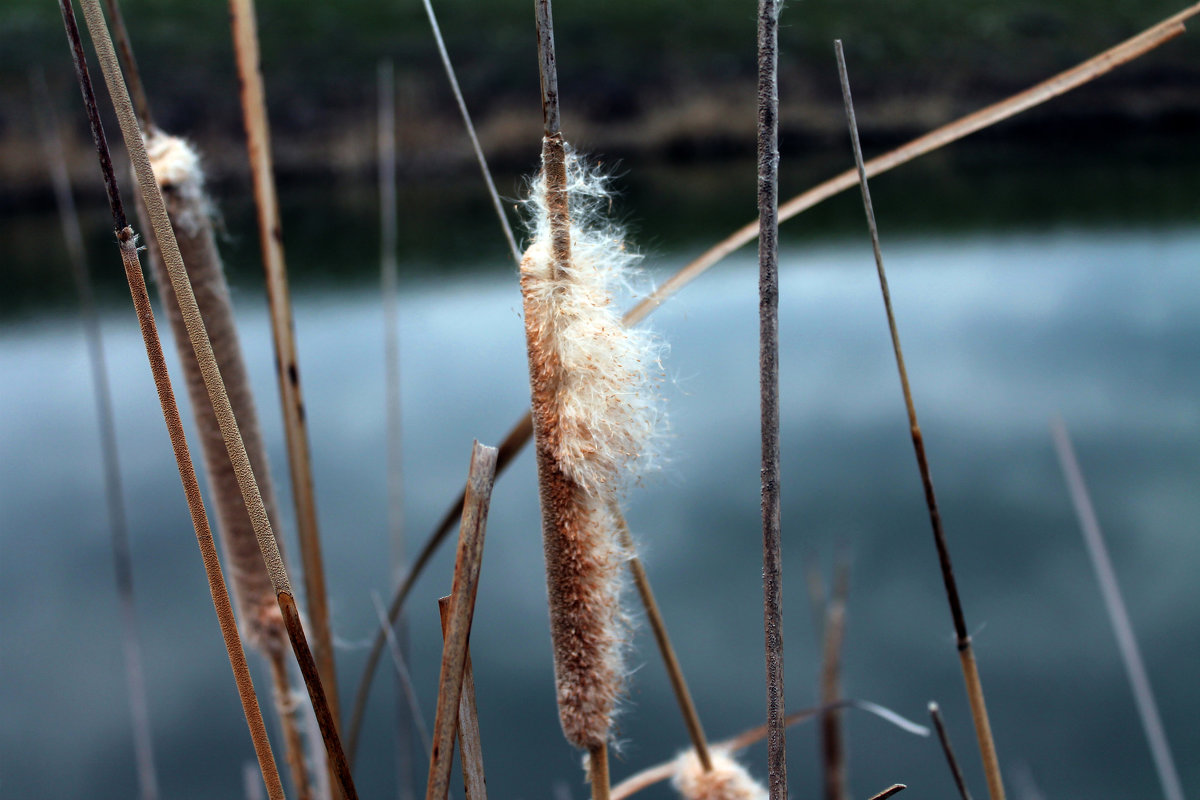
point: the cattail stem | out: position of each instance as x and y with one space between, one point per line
403 676
127 241
598 771
658 627
258 144
983 730
131 644
133 75
470 745
955 770
156 208
1118 615
1066 81
833 750
467 561
768 312
285 706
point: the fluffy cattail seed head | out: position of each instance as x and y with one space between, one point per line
727 780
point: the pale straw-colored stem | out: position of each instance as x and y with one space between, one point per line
1063 82
983 728
152 197
467 561
598 771
287 364
403 676
1118 615
137 286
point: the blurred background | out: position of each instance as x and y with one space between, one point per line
1048 265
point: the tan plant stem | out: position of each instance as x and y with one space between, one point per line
156 208
127 241
983 730
467 562
833 749
598 771
137 90
470 745
285 705
768 376
955 770
131 644
1060 84
270 230
894 789
658 627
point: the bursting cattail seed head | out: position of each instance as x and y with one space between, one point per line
727 780
594 417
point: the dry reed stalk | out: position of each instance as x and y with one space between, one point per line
470 745
1062 83
131 644
768 376
287 364
236 448
955 770
403 676
894 789
389 286
127 242
467 561
833 749
1118 615
983 728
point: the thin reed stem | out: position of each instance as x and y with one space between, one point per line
470 745
389 278
768 372
1118 614
403 676
983 729
1062 83
894 789
833 748
141 103
462 108
955 770
156 208
658 626
287 364
554 164
131 643
467 562
285 705
127 241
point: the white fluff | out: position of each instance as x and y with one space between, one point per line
728 780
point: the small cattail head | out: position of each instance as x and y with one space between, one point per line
727 780
180 175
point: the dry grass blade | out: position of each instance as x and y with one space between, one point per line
152 197
1060 84
131 645
833 750
894 789
270 231
955 770
127 241
1118 615
467 560
983 728
469 743
403 676
658 627
768 377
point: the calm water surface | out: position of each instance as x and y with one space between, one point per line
1021 291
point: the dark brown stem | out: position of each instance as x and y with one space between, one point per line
955 770
983 731
768 334
285 707
469 743
894 789
833 750
127 240
467 561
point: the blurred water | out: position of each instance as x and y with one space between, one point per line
1003 328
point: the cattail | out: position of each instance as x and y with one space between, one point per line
178 172
594 415
727 780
